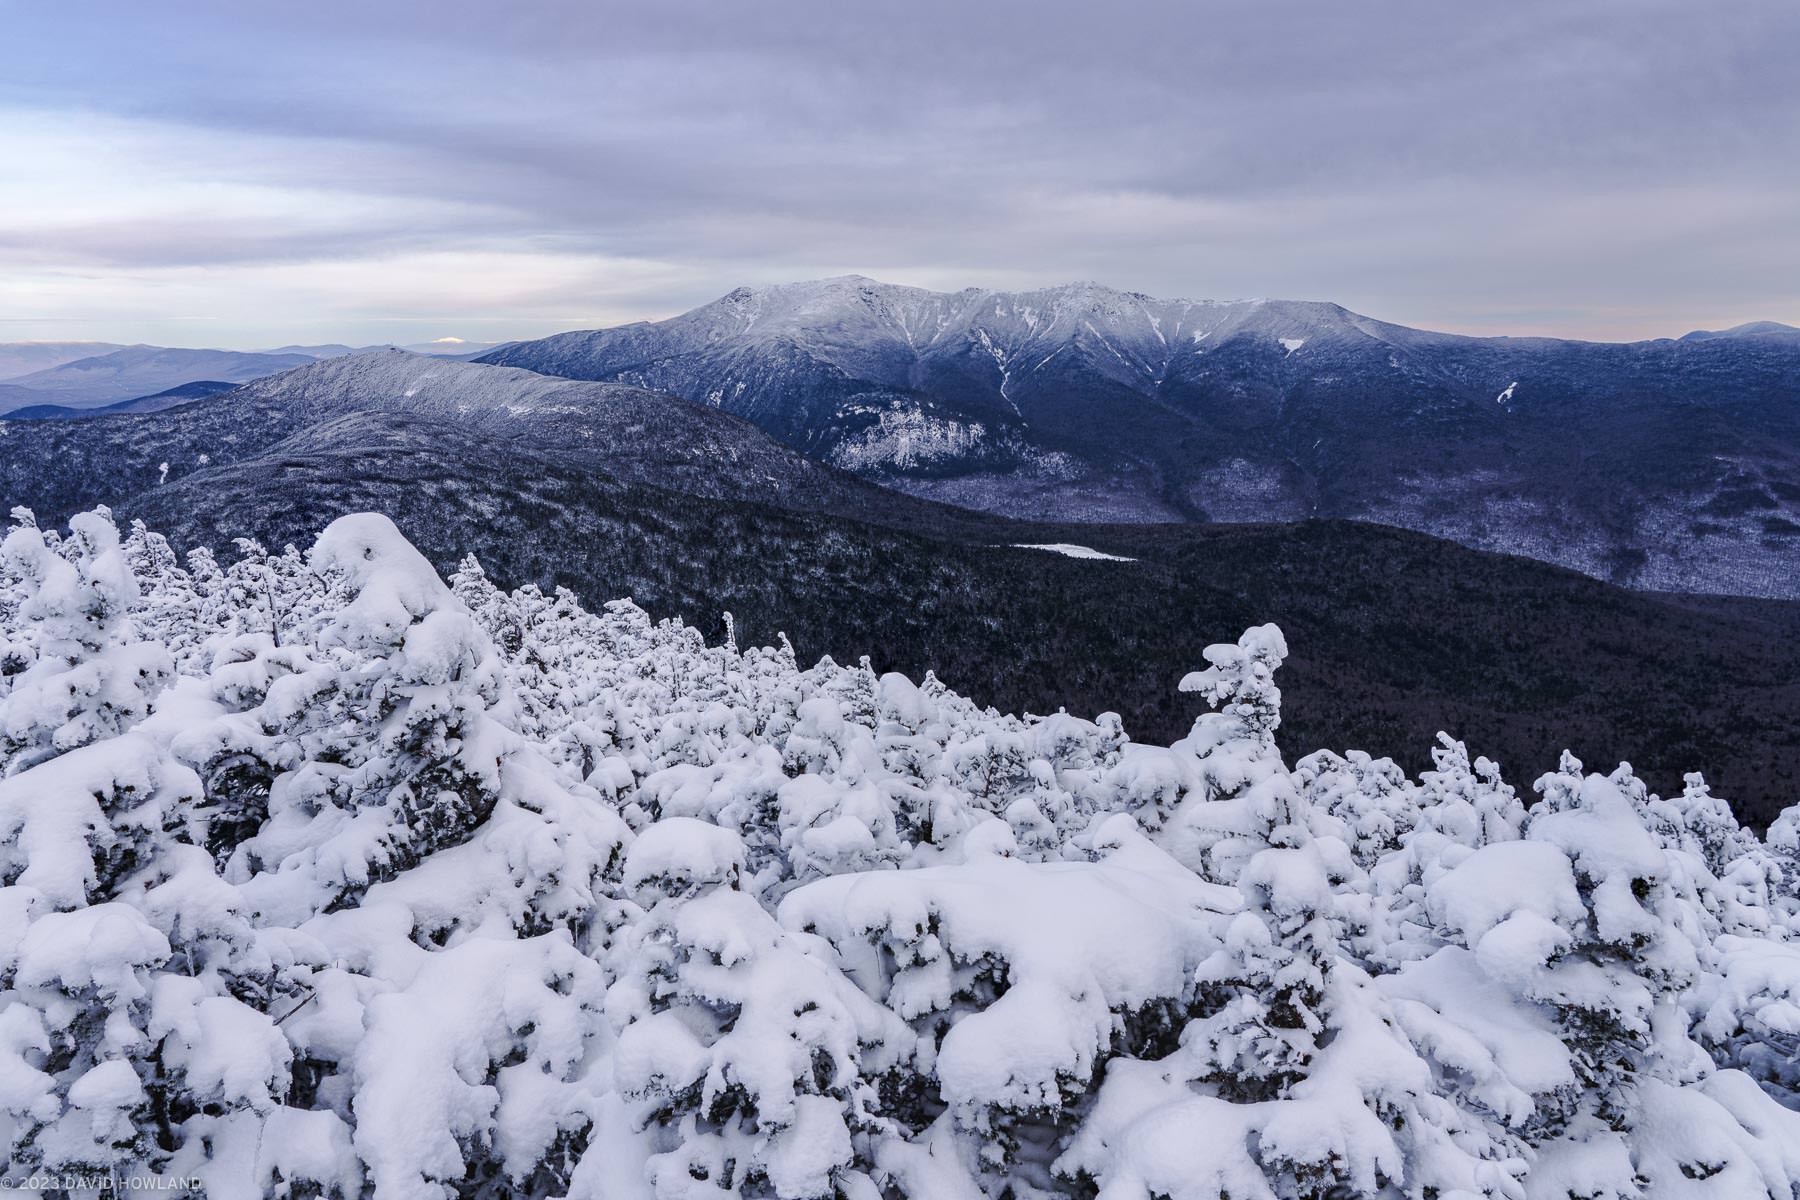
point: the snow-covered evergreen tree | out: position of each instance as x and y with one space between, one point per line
1242 799
1367 803
89 675
754 1060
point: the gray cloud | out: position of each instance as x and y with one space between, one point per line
1600 167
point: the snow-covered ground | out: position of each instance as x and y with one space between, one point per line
1070 550
322 876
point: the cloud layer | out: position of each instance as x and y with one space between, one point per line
244 174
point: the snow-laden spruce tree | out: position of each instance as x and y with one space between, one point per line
168 609
83 672
135 989
277 594
391 731
1290 1057
1018 979
754 1062
1241 799
443 1004
1460 806
1367 803
1584 923
1266 985
1321 1093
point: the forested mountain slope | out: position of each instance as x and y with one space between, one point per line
625 431
1668 464
174 397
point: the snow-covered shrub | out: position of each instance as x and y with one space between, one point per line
753 1058
320 877
1367 803
1020 978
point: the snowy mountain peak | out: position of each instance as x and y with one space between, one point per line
857 316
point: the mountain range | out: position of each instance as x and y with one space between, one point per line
184 393
49 380
615 490
22 358
1671 464
139 371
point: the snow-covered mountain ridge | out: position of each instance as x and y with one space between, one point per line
1666 464
323 876
64 379
632 433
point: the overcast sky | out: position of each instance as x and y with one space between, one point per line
247 174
